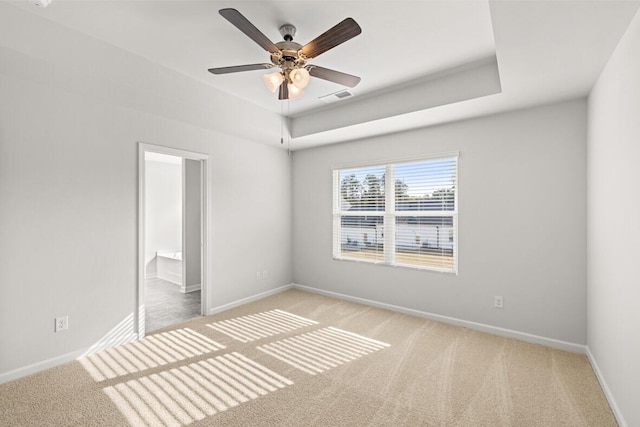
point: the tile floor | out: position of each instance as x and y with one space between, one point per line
166 305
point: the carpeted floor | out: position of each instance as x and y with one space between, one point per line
299 359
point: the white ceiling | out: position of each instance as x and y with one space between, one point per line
546 50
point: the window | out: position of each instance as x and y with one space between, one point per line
403 214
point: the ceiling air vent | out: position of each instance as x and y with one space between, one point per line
337 96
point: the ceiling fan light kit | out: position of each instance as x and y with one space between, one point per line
299 77
294 91
292 57
273 80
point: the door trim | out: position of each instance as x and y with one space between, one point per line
206 265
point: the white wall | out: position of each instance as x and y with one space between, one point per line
72 112
163 209
522 222
614 225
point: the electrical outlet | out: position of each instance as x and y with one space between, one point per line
62 323
264 274
258 275
498 302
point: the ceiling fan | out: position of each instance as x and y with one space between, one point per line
292 57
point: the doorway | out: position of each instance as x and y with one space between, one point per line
172 238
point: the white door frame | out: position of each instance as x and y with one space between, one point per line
139 310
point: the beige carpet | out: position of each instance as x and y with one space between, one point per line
298 359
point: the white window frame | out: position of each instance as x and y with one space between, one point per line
390 214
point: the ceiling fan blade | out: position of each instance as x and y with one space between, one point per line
333 76
243 24
284 91
339 34
239 68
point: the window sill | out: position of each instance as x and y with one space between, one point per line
408 266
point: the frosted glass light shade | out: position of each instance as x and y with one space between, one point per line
294 91
273 80
299 77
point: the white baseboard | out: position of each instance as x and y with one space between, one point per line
169 276
40 366
65 358
551 342
563 345
606 390
69 357
190 288
246 300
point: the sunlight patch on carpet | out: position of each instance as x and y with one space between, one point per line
193 392
261 325
318 351
150 352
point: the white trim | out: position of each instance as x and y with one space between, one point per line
247 300
337 218
336 191
177 152
607 391
509 333
390 216
456 230
207 242
171 277
138 325
65 358
394 265
190 288
389 219
40 366
183 205
407 159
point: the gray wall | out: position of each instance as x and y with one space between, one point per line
192 223
522 222
614 225
72 112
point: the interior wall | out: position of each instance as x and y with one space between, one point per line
522 222
163 210
191 251
614 225
73 110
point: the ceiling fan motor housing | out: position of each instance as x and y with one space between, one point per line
288 57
